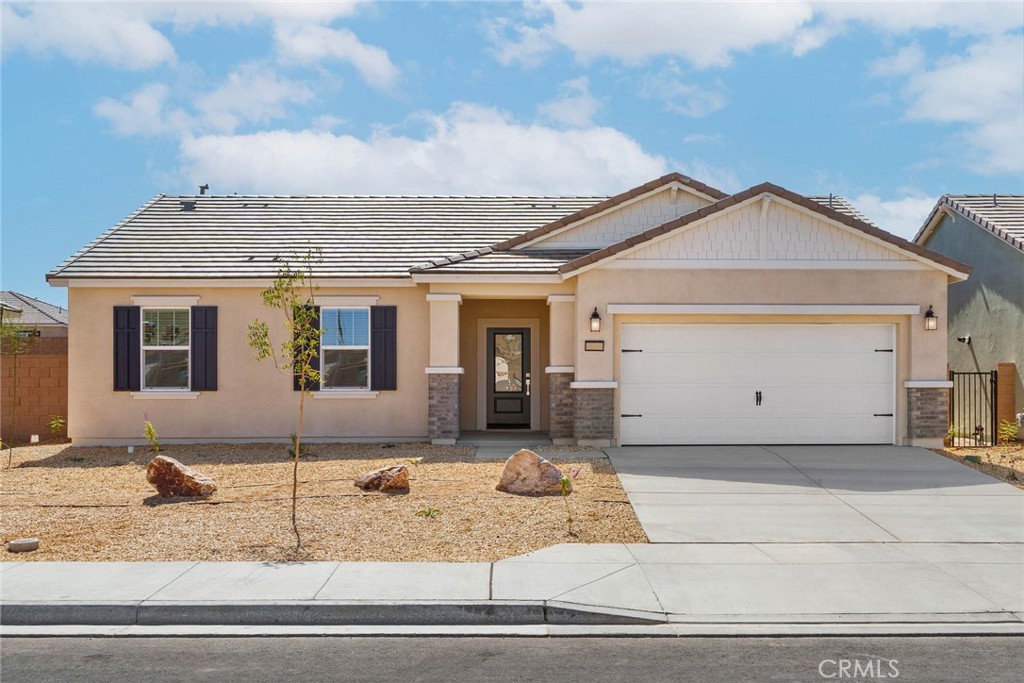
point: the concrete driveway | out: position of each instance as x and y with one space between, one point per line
814 494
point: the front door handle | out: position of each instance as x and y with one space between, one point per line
527 386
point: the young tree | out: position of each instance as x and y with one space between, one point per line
15 340
292 295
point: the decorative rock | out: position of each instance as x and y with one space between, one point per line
172 479
528 473
23 545
394 478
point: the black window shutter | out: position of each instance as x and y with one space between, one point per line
127 347
383 348
310 385
204 348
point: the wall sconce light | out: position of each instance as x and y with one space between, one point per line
595 321
931 321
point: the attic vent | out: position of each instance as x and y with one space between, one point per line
188 206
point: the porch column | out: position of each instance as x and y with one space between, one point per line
561 372
444 370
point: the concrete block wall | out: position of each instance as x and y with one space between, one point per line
37 386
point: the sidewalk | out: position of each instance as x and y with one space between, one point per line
728 588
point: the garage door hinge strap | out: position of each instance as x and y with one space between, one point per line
883 350
630 415
883 414
632 350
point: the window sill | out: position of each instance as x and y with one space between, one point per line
165 394
341 393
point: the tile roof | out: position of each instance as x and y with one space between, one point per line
34 311
1000 214
750 193
361 236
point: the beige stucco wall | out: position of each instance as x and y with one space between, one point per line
920 355
472 311
253 400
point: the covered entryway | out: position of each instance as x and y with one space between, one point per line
757 384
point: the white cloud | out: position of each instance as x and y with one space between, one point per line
901 216
107 34
711 34
468 149
983 90
143 113
575 107
126 34
679 96
253 93
309 44
907 60
705 34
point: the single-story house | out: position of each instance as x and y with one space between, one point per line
33 382
672 313
986 313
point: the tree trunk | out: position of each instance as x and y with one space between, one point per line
295 467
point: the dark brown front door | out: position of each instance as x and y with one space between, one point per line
508 377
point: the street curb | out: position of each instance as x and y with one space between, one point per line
315 613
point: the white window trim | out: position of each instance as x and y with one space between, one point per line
164 393
143 348
341 392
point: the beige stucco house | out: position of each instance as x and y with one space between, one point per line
669 314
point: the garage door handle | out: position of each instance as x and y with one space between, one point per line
630 415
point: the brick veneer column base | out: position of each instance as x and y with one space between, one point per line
927 415
443 408
594 416
562 408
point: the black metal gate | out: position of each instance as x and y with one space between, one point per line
972 409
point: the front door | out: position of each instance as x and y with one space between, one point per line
508 373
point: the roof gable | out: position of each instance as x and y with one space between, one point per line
743 227
621 216
1000 214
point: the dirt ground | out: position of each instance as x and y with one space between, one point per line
94 504
1002 462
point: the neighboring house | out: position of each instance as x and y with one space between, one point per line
986 231
671 313
35 385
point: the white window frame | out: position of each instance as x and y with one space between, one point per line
350 347
143 348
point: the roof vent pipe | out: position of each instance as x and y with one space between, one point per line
995 202
204 188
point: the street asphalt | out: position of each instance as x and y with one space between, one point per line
479 660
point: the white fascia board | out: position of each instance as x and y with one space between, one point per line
765 309
193 283
629 202
341 301
928 384
160 301
488 279
754 264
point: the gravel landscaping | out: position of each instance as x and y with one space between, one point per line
94 504
1005 462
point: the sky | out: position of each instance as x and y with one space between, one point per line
106 105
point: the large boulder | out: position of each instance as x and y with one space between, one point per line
394 478
528 473
172 479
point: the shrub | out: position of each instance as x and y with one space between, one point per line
1008 431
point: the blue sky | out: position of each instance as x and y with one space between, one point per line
105 106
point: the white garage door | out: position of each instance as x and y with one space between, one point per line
757 384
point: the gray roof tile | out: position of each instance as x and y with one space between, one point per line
33 311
